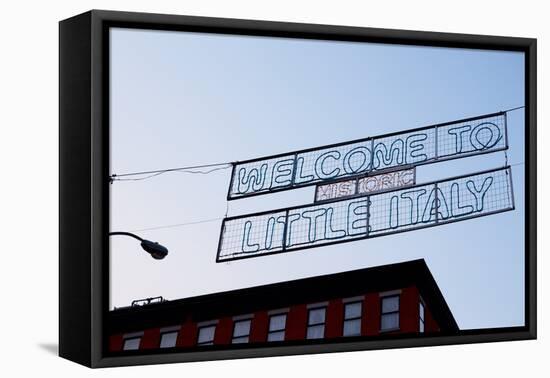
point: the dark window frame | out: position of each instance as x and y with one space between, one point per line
211 342
233 337
283 330
165 333
324 323
125 339
382 313
360 317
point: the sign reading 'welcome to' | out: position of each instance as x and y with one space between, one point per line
414 147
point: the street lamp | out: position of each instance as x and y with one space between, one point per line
156 250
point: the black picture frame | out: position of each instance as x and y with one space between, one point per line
84 181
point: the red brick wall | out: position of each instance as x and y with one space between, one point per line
187 336
334 319
370 324
224 331
150 339
259 327
296 323
116 342
408 310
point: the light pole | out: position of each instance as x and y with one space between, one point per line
156 250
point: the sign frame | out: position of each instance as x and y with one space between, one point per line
435 159
284 249
357 178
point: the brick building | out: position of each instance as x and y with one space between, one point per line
383 301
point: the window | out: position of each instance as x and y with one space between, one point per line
316 323
131 343
352 319
168 339
276 331
206 335
390 313
241 331
421 316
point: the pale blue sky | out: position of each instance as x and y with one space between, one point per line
181 99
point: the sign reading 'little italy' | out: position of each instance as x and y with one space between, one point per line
341 220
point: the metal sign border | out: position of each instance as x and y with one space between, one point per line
507 168
357 178
436 159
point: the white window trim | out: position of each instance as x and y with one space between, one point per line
315 305
353 299
133 335
278 311
170 329
207 323
243 317
390 293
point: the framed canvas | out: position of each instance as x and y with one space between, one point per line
236 188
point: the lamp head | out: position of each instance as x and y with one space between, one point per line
156 250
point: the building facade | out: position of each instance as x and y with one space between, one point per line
385 301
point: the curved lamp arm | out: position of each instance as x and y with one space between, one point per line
156 250
126 234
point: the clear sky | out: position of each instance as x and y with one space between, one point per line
180 99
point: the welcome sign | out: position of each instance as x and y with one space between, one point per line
342 220
457 139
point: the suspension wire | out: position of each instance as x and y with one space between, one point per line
512 109
190 223
516 164
189 169
506 151
177 225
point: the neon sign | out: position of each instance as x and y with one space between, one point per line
365 185
430 144
342 220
